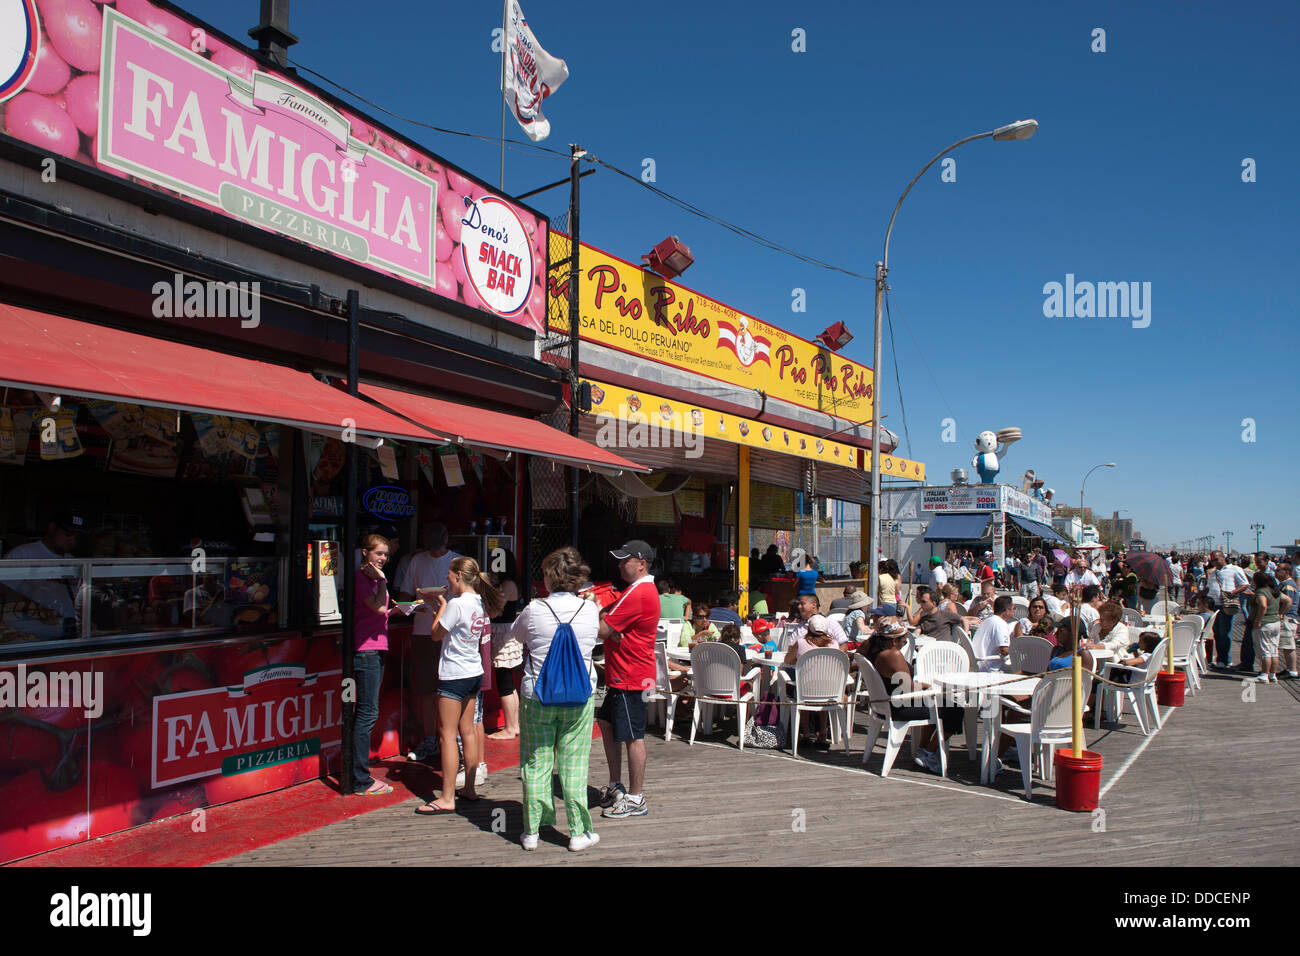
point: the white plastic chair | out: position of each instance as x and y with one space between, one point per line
1030 655
837 617
784 637
715 670
962 640
1203 634
664 695
1132 617
883 717
669 631
1019 612
1019 600
1141 695
1158 609
821 679
945 657
1050 723
1186 634
1094 630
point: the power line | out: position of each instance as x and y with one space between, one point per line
538 150
938 391
898 378
738 230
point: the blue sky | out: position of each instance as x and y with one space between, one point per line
1135 175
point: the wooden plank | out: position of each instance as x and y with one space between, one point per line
1209 789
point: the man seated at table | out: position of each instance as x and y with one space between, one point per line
1090 608
981 606
933 621
808 605
726 610
1080 576
992 639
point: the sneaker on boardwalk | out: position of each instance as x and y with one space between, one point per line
625 806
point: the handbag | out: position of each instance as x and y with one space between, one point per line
760 738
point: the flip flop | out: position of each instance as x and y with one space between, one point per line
372 792
429 810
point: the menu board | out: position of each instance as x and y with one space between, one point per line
659 510
770 506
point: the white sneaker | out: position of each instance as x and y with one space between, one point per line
930 761
528 841
1260 678
480 776
579 843
1272 678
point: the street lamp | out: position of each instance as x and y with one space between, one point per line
1021 129
1109 464
1257 528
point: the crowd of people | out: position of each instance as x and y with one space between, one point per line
1250 600
471 631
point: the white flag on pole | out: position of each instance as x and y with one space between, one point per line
531 74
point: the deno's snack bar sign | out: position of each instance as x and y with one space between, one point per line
142 93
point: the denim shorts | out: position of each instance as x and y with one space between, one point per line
461 688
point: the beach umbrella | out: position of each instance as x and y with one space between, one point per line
1154 569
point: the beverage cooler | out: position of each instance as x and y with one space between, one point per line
487 549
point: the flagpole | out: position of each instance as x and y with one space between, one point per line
505 9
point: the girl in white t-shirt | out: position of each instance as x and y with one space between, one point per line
461 624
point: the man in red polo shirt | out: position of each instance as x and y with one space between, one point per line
628 629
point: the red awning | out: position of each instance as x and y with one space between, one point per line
51 353
465 424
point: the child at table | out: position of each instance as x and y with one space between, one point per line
1146 645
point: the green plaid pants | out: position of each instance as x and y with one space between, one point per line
546 732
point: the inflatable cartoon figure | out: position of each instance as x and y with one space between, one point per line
989 446
986 461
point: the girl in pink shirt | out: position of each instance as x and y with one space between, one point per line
370 630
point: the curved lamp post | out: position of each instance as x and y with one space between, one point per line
1022 129
1084 483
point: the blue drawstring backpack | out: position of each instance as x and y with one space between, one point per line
564 681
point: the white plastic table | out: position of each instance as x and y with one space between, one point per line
988 684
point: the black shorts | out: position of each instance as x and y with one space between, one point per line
625 710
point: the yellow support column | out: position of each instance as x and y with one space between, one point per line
742 529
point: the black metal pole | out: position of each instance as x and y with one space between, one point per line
348 545
574 328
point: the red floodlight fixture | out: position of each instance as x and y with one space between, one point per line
669 258
836 337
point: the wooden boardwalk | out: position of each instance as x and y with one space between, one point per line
1215 787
